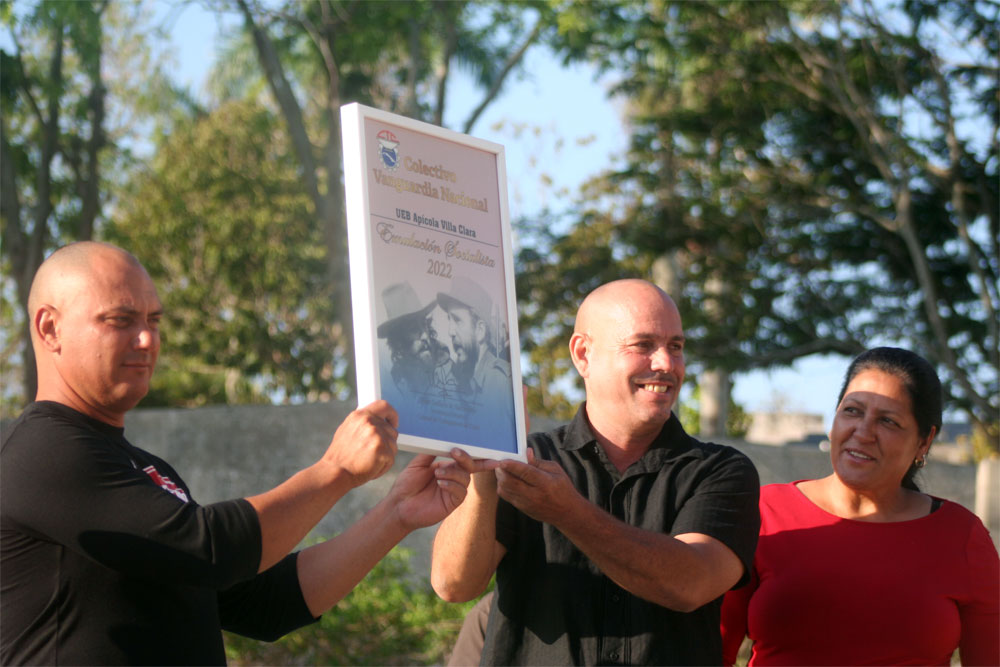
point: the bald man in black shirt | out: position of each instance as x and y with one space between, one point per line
105 558
615 542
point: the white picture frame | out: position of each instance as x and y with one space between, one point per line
432 283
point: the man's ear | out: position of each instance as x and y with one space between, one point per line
46 324
579 352
480 331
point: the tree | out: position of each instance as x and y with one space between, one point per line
64 130
807 175
51 137
221 221
397 56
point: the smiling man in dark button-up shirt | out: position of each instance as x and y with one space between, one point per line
616 541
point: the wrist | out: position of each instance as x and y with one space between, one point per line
484 483
335 478
578 517
394 521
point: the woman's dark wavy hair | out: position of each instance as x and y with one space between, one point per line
921 382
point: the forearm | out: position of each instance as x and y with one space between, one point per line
328 571
980 644
465 552
289 511
668 571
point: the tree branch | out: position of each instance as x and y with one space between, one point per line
450 45
282 91
498 83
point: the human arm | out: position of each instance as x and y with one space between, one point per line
681 572
980 612
424 493
734 620
466 552
363 448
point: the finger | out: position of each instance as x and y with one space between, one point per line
454 493
453 473
386 461
384 410
512 483
421 461
470 464
549 467
511 489
517 469
531 455
390 443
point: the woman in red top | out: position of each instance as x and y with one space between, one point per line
860 567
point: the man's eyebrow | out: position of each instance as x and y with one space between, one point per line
129 310
651 336
119 310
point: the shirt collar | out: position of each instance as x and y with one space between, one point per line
671 437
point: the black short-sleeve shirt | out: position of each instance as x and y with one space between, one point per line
106 559
554 606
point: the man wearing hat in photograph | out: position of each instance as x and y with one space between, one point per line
405 331
477 368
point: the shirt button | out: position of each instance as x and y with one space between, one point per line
614 655
616 597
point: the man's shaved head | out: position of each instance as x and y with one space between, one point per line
94 316
606 300
67 270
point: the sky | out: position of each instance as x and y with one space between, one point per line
554 123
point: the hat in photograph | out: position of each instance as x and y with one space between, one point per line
467 294
402 307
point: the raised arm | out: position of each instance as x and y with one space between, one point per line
681 572
466 552
363 448
424 493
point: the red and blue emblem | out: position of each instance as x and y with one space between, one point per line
387 149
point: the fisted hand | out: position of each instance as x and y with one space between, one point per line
364 446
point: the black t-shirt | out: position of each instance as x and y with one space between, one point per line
555 607
106 559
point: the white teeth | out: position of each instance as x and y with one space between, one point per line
859 455
658 388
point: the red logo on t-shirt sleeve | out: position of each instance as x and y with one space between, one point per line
165 483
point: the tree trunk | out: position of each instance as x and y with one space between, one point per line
714 386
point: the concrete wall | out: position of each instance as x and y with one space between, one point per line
227 452
778 428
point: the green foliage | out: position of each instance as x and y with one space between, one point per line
221 222
985 442
737 419
553 275
397 56
79 84
74 79
388 619
802 177
690 417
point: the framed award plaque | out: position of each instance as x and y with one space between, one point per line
432 283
